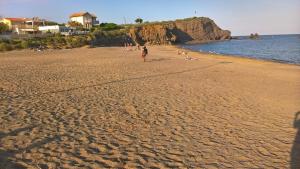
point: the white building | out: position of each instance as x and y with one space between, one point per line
54 29
86 19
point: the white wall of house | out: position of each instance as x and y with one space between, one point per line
79 19
53 29
86 20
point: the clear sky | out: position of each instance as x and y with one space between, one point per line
242 17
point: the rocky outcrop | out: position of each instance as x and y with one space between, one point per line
254 36
179 31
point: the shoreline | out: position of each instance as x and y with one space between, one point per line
197 42
177 46
238 56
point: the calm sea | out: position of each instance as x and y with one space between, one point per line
280 48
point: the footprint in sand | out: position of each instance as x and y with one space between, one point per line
131 110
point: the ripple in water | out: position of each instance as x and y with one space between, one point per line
281 48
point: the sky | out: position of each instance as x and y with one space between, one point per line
241 17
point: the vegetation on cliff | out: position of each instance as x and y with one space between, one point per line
3 27
56 41
106 34
197 29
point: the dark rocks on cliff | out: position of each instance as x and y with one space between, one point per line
180 31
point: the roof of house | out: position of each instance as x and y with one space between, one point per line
78 14
34 19
17 19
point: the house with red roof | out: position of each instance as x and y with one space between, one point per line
87 19
23 25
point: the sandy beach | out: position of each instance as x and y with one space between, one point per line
105 108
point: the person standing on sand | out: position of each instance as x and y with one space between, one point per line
144 53
138 47
295 153
125 45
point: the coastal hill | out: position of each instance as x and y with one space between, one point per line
190 30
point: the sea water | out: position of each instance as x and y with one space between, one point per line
280 48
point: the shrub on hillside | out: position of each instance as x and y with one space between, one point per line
57 41
49 42
16 44
3 27
108 34
35 42
58 38
76 41
5 47
50 23
25 44
107 27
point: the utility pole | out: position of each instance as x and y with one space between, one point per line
124 20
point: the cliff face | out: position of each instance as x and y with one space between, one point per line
179 31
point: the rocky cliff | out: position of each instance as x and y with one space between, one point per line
179 31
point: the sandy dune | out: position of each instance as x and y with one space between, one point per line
105 108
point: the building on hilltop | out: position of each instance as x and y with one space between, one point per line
23 25
85 18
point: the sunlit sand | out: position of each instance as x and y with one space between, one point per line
105 107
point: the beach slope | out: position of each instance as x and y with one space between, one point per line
106 108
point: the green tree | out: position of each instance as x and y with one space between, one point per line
3 27
24 44
5 46
109 26
139 20
62 24
50 23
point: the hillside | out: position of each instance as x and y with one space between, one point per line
180 31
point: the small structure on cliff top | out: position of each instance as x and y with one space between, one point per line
254 36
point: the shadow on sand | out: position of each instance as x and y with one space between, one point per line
120 81
6 155
295 154
157 60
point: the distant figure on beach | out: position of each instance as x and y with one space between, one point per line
138 47
125 45
40 48
185 54
130 46
295 154
144 53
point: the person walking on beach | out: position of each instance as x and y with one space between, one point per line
138 47
295 153
144 53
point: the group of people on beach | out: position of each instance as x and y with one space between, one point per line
144 49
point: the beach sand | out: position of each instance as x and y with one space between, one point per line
106 108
